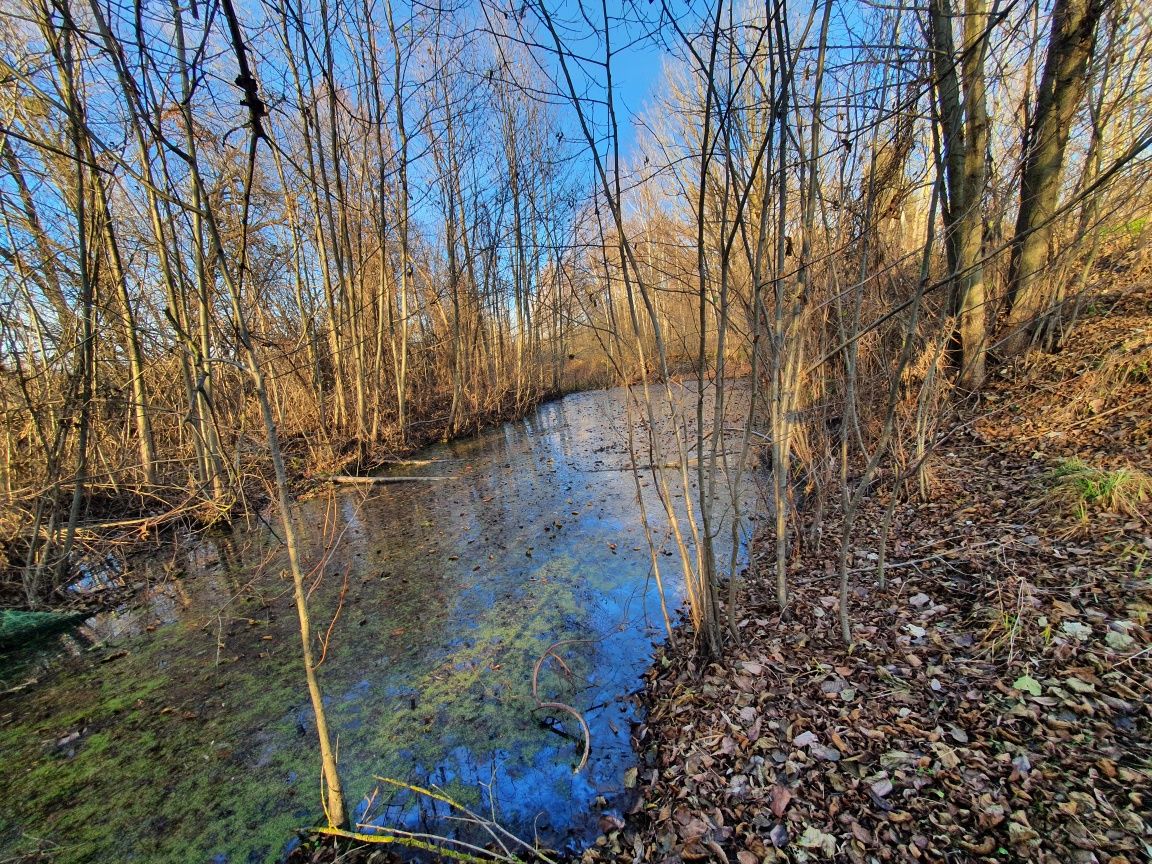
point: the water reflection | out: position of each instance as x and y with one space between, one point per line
448 591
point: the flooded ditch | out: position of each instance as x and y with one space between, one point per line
186 734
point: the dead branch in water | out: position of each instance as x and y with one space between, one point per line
560 706
348 478
396 463
412 841
503 839
335 617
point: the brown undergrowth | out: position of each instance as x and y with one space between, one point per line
118 523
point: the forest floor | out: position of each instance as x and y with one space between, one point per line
998 703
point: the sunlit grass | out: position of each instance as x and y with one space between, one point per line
1086 489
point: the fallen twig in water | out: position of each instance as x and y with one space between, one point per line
335 617
403 838
467 852
560 706
348 479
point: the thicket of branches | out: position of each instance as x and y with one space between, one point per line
417 218
239 243
381 189
865 206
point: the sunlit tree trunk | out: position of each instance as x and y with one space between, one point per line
335 809
963 118
400 339
1062 84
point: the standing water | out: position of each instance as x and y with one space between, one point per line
188 735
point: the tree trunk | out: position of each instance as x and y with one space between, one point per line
963 119
971 302
1062 86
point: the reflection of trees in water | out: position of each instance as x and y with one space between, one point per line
415 609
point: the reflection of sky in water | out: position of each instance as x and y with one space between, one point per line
544 489
454 589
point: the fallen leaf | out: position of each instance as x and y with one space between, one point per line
814 838
781 796
1076 630
1027 684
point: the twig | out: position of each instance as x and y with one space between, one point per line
940 556
406 839
335 617
491 826
560 706
348 478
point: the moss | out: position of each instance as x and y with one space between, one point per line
481 691
151 753
201 737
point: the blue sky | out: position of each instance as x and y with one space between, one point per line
638 69
637 57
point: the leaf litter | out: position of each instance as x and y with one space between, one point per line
997 704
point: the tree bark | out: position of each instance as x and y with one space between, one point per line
963 118
1062 84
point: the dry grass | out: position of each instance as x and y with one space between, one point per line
1084 489
1129 364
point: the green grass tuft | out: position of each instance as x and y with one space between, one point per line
1124 491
